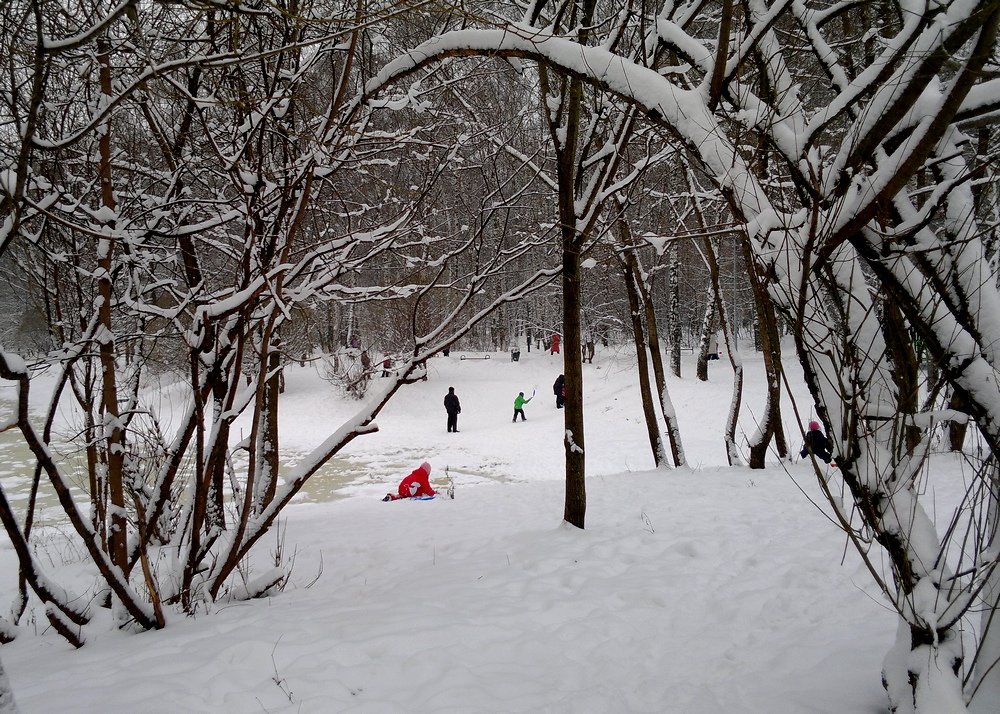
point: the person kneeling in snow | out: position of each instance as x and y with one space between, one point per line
816 443
416 484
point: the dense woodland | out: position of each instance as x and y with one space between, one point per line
211 191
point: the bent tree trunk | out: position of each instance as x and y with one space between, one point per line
646 338
732 453
659 376
642 360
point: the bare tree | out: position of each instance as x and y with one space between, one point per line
844 221
648 351
198 256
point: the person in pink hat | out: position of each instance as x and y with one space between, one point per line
416 484
816 443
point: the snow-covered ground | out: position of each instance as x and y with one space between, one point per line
696 591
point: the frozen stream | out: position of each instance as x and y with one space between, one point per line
17 466
17 469
338 478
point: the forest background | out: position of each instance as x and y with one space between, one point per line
216 192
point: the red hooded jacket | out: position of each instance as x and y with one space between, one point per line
417 483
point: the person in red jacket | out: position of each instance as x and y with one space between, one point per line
416 484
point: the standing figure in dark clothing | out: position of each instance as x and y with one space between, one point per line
588 348
454 408
559 389
816 443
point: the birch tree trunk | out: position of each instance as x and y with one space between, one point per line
674 293
735 360
707 332
659 377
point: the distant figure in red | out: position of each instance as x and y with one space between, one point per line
386 365
416 484
555 345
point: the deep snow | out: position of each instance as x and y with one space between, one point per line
695 591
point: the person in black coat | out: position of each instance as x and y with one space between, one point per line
454 408
816 443
559 389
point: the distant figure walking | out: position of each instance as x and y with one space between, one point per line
519 402
386 365
559 389
415 485
588 348
713 346
816 443
554 350
454 408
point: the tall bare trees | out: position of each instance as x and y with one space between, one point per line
198 185
838 215
180 208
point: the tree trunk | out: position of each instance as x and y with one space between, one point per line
770 346
707 331
269 449
113 432
564 129
644 330
904 372
576 490
676 333
649 412
732 454
656 358
957 430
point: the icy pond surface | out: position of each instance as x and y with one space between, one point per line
339 478
336 479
